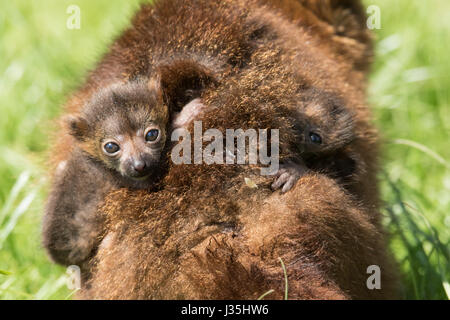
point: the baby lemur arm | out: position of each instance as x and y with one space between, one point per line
72 226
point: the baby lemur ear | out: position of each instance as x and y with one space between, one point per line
347 17
182 81
78 126
154 85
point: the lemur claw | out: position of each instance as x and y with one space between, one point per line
287 176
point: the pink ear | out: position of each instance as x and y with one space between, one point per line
188 113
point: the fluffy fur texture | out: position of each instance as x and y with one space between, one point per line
206 234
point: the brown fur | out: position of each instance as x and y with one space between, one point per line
206 234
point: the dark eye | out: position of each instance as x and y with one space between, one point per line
315 138
152 135
111 147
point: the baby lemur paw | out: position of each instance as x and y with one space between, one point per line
189 112
60 168
288 175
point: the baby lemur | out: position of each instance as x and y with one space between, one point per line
324 128
119 140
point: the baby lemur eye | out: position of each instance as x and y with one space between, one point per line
315 138
111 147
152 135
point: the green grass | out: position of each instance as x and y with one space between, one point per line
411 99
41 62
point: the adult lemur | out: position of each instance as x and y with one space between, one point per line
299 66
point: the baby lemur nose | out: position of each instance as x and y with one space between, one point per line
139 165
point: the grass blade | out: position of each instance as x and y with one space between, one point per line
424 149
15 191
286 288
18 212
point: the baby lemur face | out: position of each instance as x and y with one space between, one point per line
124 126
325 125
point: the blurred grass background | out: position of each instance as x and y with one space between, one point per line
41 62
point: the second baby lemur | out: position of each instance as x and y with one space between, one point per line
325 127
119 141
